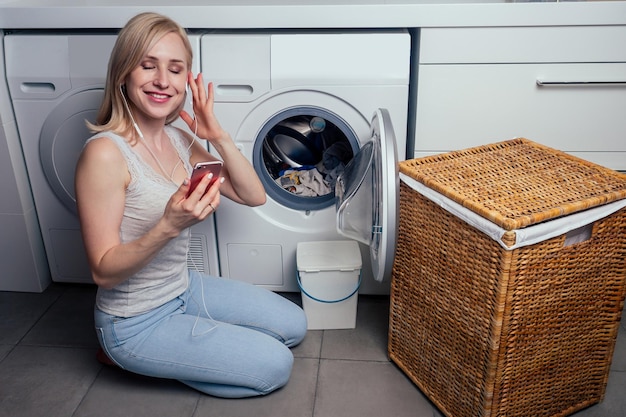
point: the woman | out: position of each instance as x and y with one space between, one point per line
154 316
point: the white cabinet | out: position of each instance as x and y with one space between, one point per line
563 87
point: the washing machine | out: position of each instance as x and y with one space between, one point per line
56 82
301 106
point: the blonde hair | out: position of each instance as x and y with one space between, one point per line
135 39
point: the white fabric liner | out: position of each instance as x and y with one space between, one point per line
526 236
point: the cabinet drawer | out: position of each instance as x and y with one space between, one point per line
460 106
523 44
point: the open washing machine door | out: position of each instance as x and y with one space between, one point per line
367 196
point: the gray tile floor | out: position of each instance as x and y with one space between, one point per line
48 368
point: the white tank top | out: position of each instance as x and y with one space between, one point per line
166 276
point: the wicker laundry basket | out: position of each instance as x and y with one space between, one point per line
485 328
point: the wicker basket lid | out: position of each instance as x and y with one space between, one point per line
518 183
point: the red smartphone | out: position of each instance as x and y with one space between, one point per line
202 169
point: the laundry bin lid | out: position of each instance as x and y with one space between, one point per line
342 255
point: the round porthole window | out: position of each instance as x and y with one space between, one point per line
298 155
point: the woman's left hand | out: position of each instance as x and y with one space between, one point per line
204 124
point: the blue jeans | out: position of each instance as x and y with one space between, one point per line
223 337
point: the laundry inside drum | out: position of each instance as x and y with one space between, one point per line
305 154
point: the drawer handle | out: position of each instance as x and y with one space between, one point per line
544 83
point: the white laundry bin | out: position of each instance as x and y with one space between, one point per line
329 276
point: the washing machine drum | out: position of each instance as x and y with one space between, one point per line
291 142
298 155
293 150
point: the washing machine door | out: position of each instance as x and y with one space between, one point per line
367 195
61 141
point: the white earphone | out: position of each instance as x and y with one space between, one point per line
129 112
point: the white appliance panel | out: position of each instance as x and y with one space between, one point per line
340 59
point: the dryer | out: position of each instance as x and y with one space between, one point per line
299 105
56 82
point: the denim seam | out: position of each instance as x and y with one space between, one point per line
205 369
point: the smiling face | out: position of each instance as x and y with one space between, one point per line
156 87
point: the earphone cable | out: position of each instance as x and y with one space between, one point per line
204 306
